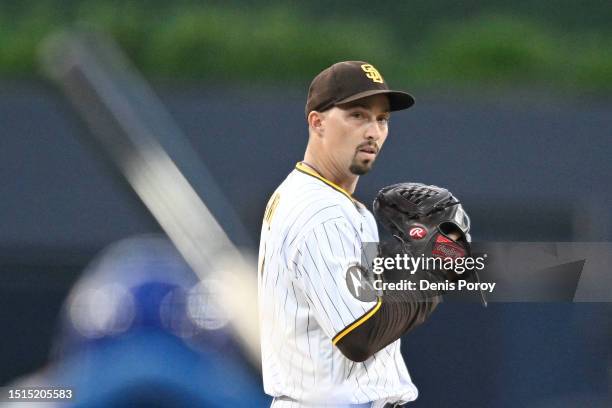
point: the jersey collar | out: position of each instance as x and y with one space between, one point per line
300 166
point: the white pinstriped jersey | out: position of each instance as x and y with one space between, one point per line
311 233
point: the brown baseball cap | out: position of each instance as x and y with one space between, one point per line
349 81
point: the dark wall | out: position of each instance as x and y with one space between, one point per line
526 167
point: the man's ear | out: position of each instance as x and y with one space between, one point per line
315 122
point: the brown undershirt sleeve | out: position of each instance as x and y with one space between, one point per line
395 313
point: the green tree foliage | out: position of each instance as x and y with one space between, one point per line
238 42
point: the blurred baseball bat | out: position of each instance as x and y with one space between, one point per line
129 121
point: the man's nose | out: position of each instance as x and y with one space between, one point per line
373 131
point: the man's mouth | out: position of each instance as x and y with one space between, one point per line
368 149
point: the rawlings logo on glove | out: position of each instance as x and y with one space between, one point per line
427 220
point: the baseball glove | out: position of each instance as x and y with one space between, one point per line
425 220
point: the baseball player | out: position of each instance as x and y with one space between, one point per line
322 346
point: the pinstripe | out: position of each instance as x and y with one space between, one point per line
361 389
306 225
335 282
288 230
386 380
365 367
331 301
276 281
304 301
309 351
305 206
378 376
331 369
352 365
308 331
340 240
320 303
297 269
329 241
284 324
397 369
295 333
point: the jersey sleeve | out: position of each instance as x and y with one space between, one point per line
320 262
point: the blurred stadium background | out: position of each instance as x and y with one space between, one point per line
513 114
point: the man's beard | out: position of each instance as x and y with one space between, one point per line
360 168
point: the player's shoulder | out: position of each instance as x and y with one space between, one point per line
315 196
303 202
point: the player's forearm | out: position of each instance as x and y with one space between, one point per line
399 312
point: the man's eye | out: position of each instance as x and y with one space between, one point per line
357 115
383 121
